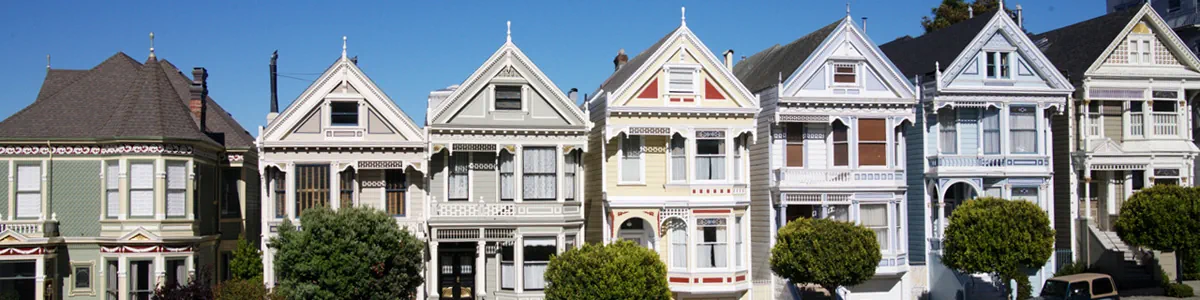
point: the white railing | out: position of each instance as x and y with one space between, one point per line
893 260
1136 124
801 176
1166 123
29 228
503 209
987 161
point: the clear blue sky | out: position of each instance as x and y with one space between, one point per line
409 49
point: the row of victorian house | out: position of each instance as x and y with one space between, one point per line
127 175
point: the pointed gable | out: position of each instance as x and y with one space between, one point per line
508 90
921 55
343 105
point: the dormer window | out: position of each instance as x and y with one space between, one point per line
1140 50
343 113
681 81
998 66
845 74
508 97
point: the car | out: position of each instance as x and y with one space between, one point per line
1082 286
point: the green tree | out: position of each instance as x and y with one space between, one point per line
999 237
1163 218
247 261
825 252
621 270
197 288
353 253
951 12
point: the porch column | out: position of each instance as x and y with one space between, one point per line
1087 196
160 271
480 269
39 278
290 191
123 278
191 266
335 188
434 269
941 228
519 264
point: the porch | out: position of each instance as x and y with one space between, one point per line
796 177
493 263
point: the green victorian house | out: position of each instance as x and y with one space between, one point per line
120 178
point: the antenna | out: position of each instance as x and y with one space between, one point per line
47 62
847 8
509 33
151 44
343 47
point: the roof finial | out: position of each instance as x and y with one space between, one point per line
47 62
151 44
847 8
343 47
683 16
509 33
1001 5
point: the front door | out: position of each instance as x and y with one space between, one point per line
457 274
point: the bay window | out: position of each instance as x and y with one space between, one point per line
711 248
875 217
738 241
631 158
1027 193
112 189
841 144
678 246
795 144
872 142
177 189
539 173
312 187
141 189
570 180
948 132
710 158
1023 129
535 260
395 186
458 183
508 180
678 158
991 131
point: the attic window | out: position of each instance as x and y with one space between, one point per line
508 98
681 81
844 73
998 66
1140 50
343 113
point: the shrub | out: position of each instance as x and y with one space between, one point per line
197 288
621 270
247 261
1161 217
1071 268
999 237
239 289
1178 290
825 252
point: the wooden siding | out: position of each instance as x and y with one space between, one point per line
1060 125
915 175
4 187
761 204
594 161
968 131
75 197
483 177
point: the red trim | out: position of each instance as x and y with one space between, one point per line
713 280
712 211
651 90
740 278
678 279
710 91
689 99
676 99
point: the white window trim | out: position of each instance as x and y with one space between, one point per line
697 90
470 174
686 246
186 191
1011 62
1135 52
695 243
329 114
153 189
92 271
693 154
888 144
104 166
641 159
857 67
889 206
491 95
519 170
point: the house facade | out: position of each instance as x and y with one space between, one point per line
830 144
981 129
341 143
505 180
1129 128
668 164
121 178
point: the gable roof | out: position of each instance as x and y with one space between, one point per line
764 69
623 73
917 56
119 98
1075 47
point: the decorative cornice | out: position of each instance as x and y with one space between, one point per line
145 249
110 149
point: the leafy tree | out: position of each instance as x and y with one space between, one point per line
354 253
1163 218
999 237
621 270
247 261
197 288
951 12
825 252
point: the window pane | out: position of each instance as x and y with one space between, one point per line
177 188
872 147
508 97
678 158
1023 122
844 73
874 216
948 131
569 178
1004 70
508 181
1029 193
841 146
539 173
710 159
280 193
537 257
991 131
346 188
795 144
459 169
678 247
711 243
343 113
991 64
395 186
631 161
681 81
141 175
312 187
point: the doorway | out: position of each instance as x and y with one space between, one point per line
456 278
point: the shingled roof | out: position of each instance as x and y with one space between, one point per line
763 69
1075 47
916 56
120 98
618 78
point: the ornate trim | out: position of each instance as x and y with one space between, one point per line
474 147
114 149
649 131
23 251
145 249
710 134
379 164
804 118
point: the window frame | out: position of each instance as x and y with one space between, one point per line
112 189
723 154
571 162
948 116
641 158
347 185
133 275
862 141
835 142
90 289
183 190
525 174
788 141
996 131
519 100
450 173
526 262
673 156
401 189
333 114
699 242
886 226
1012 128
131 189
998 64
511 158
835 72
682 241
321 180
279 193
693 71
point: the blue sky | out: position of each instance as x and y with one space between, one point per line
409 49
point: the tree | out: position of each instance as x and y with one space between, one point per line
197 288
353 253
1163 218
999 237
825 252
621 270
243 289
951 12
247 261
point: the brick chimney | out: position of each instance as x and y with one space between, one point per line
620 60
199 91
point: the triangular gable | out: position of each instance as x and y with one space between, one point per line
1002 32
139 235
1148 22
342 79
508 65
9 236
1108 147
848 43
683 45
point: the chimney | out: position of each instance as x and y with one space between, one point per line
199 90
729 59
1020 18
573 94
864 25
274 86
620 60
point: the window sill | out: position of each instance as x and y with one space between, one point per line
631 184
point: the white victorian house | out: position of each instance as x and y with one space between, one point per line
982 128
830 144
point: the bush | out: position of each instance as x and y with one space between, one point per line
1162 218
825 252
239 289
621 270
197 288
999 237
354 253
1191 263
1178 290
247 261
1071 269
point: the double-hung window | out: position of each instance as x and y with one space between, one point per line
141 189
343 113
539 177
738 240
678 246
508 97
681 81
395 186
29 190
845 73
231 197
872 142
998 65
177 190
312 187
508 269
710 157
459 179
508 179
795 144
279 184
1023 129
1140 49
112 189
841 144
875 217
536 259
631 159
711 250
570 181
141 280
991 131
678 158
948 131
1027 193
346 188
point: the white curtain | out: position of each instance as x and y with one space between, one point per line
710 159
112 186
1026 193
176 188
678 247
712 245
631 158
141 185
536 258
507 181
572 164
737 241
991 131
1023 121
459 167
948 131
535 275
874 216
539 177
678 158
29 191
839 212
737 158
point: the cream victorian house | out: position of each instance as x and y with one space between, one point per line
668 164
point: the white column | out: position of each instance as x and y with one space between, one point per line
435 270
1087 196
335 188
123 278
480 269
519 264
160 271
290 184
40 278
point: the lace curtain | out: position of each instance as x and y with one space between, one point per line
507 180
460 163
948 131
631 158
538 173
991 131
1023 121
678 158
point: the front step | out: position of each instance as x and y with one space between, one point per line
1130 272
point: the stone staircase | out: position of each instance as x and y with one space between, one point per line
1133 271
980 286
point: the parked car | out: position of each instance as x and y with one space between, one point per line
1083 286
